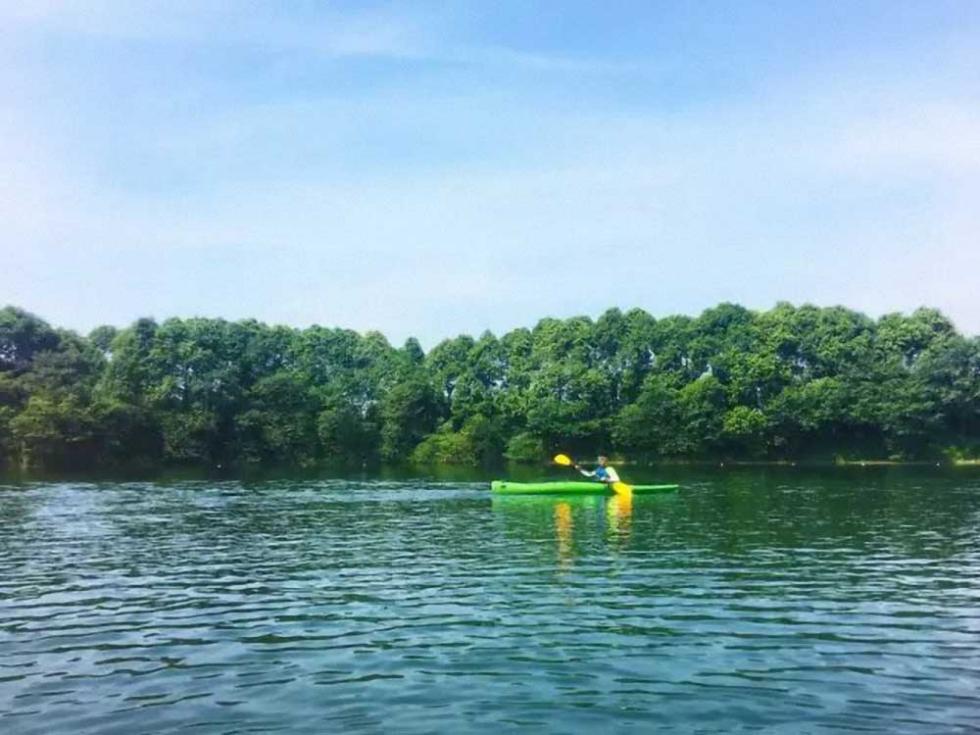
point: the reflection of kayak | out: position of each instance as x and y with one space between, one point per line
504 487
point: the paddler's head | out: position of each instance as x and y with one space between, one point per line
602 460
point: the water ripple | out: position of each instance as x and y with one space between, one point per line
748 601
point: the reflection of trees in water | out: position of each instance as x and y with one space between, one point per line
835 526
750 518
880 533
544 528
571 522
904 511
314 526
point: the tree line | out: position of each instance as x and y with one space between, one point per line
790 382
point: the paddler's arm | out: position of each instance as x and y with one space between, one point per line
611 475
587 473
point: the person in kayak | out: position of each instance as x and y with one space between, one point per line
603 472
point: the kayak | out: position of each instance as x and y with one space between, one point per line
570 487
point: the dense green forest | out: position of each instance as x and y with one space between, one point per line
792 382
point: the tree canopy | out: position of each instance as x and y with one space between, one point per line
791 382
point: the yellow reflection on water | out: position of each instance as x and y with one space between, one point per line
563 531
527 517
619 514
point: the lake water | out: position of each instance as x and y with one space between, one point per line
781 601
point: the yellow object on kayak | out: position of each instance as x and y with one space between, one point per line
622 489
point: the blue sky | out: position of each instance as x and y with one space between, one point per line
435 168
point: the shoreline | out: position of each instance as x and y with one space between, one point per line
445 470
804 463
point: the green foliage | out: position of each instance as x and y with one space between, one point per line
788 382
348 433
22 336
526 448
280 424
480 441
652 424
101 338
127 434
409 413
446 446
54 431
745 431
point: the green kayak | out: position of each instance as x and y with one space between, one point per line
504 487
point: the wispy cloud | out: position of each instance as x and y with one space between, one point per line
342 34
393 32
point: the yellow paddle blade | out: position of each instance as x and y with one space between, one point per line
622 489
563 459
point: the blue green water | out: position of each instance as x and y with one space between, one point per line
772 601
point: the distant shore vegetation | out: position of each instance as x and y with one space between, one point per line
793 382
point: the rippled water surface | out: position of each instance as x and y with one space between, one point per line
782 602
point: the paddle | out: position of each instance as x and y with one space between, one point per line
620 488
